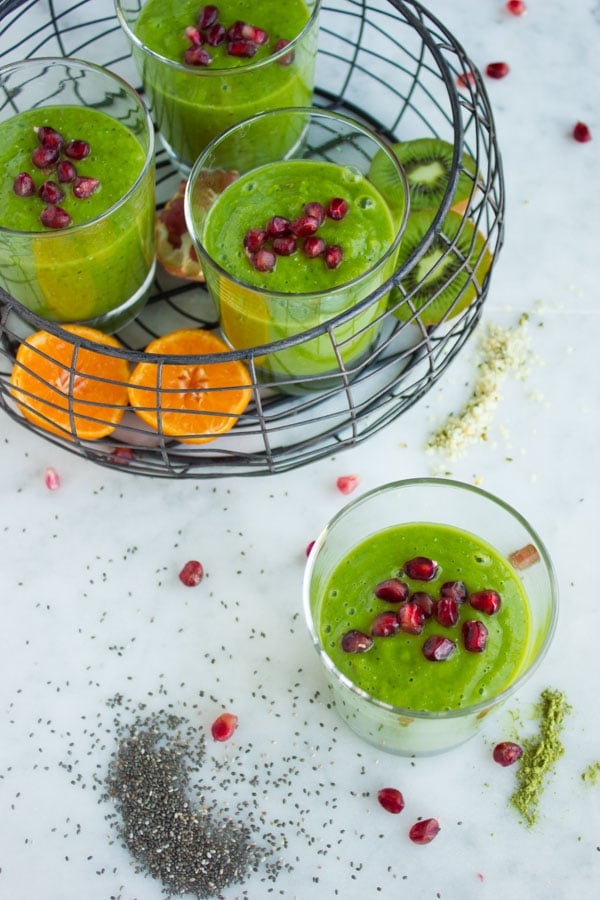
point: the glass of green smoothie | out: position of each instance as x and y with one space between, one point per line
206 67
430 602
298 247
77 171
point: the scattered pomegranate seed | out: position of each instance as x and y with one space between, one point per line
497 70
393 590
122 455
347 483
488 601
45 157
256 35
264 260
465 79
391 799
55 217
288 58
455 589
84 187
24 185
49 137
194 36
411 618
224 726
337 208
51 478
475 636
507 752
516 7
316 210
437 648
309 547
207 16
355 641
243 49
197 56
215 35
421 568
333 256
582 133
314 246
524 557
423 832
446 611
50 192
277 226
284 246
66 171
192 573
77 149
254 239
235 31
424 601
304 226
385 624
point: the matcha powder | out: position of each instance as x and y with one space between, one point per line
540 755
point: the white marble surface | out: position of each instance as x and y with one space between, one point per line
91 603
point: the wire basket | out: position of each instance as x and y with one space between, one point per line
418 82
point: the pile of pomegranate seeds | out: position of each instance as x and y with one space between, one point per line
239 39
415 607
282 237
55 156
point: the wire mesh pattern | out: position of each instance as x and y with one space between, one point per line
391 65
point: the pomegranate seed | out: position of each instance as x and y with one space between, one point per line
224 726
256 35
66 171
277 226
507 752
385 624
516 7
84 187
207 16
337 208
234 32
465 79
243 49
437 648
355 641
411 618
391 799
421 568
423 832
455 589
424 601
314 246
582 133
264 260
488 601
304 226
497 70
48 137
316 210
192 573
475 636
254 239
215 35
333 256
52 478
288 58
347 483
77 150
524 557
45 157
55 217
446 611
197 56
284 246
309 547
122 455
50 192
393 590
24 185
193 36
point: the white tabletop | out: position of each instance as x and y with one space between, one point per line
92 605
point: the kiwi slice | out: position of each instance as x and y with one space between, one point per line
427 163
447 278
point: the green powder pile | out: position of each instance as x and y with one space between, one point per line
592 773
540 755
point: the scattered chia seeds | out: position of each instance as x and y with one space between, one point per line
540 755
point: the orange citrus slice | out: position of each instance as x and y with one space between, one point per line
67 389
195 401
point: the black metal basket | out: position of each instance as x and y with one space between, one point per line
418 82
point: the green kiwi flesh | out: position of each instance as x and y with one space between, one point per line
444 281
427 163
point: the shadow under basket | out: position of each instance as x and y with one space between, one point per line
417 82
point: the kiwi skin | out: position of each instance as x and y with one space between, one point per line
427 163
440 285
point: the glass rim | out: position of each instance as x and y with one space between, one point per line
214 71
269 294
65 61
407 712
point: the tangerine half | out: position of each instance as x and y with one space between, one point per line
194 401
68 389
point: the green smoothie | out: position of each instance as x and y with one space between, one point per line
394 670
76 273
300 292
192 104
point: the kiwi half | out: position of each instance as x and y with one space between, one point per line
427 163
445 280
